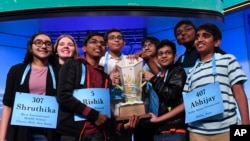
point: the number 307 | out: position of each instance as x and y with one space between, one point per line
37 100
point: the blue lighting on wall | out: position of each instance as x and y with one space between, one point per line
15 34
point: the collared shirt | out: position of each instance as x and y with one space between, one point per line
109 62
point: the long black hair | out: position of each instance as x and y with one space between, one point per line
28 58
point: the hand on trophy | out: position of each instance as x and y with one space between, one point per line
115 77
137 55
133 122
101 120
133 56
154 118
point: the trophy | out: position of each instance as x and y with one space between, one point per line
130 71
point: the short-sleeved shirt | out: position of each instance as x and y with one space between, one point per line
228 73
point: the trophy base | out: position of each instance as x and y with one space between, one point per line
130 99
126 110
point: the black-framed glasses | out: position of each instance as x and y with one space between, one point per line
93 41
119 38
185 29
40 43
161 53
148 45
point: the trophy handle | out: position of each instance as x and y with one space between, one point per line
120 87
143 84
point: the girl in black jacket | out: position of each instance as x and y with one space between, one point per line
36 75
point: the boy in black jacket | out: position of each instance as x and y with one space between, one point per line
168 85
85 74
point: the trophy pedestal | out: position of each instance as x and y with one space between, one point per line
126 110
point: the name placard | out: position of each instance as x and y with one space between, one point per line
96 98
34 110
203 102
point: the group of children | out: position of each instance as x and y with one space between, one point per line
168 80
202 64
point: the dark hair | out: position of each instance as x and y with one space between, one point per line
150 39
212 29
29 54
90 35
112 30
166 42
186 21
216 33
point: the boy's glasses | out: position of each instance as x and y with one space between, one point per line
102 43
119 38
165 53
39 43
148 46
185 29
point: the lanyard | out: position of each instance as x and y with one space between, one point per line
182 58
27 70
106 61
196 65
88 77
83 74
165 77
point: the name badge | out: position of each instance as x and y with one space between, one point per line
34 110
96 98
203 102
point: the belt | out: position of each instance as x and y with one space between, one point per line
173 130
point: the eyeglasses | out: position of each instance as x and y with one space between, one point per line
93 41
40 43
119 38
185 29
148 45
165 53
